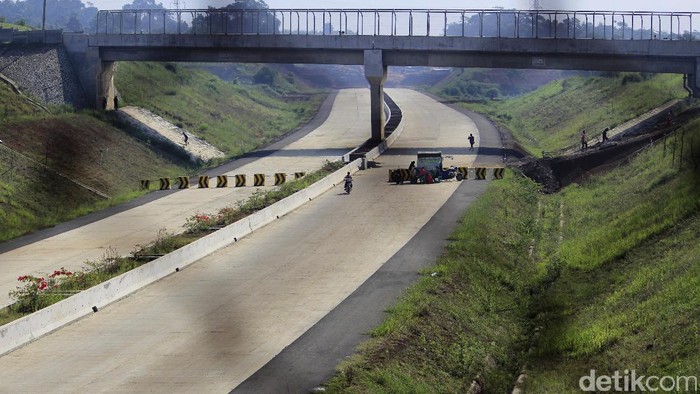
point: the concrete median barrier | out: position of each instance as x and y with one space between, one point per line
44 321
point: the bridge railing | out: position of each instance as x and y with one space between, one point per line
604 25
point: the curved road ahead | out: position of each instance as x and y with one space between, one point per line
213 325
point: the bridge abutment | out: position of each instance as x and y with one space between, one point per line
375 72
96 76
694 79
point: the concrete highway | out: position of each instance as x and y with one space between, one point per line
213 325
342 131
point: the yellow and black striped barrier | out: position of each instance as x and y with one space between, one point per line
480 173
259 180
498 173
165 183
221 181
464 171
240 180
399 175
203 182
183 182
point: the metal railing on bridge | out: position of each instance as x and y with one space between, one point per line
604 25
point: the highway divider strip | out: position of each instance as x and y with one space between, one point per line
24 330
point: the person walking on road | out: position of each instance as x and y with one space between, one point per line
184 135
605 135
471 141
584 140
116 103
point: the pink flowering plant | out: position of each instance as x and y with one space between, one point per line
36 292
200 223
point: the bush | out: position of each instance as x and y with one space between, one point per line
632 77
264 76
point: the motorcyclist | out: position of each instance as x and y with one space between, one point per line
348 180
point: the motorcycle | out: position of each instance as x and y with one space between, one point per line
348 187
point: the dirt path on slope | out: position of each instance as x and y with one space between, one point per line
154 125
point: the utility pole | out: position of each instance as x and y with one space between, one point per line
43 22
535 5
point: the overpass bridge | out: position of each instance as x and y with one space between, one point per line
656 42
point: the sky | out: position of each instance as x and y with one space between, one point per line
598 5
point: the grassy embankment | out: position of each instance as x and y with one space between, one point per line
602 275
233 117
475 84
89 148
553 116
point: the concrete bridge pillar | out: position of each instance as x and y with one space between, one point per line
375 72
694 79
96 76
105 84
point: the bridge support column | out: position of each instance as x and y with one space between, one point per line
105 83
375 72
96 76
694 79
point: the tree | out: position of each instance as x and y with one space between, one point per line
240 17
74 24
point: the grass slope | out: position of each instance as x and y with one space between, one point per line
553 116
46 150
41 152
628 292
480 84
233 117
603 275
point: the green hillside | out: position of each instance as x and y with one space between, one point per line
59 165
43 153
475 84
235 118
553 116
603 275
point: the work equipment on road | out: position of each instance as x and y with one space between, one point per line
428 169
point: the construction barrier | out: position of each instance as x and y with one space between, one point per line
203 182
402 175
164 183
183 182
240 180
221 181
464 171
399 175
259 180
498 173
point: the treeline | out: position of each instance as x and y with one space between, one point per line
75 16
